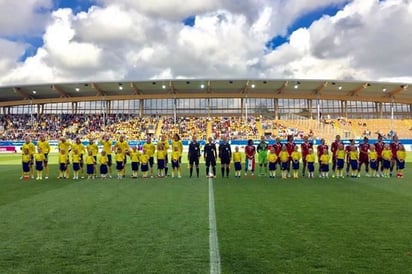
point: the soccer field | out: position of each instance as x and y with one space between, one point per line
350 225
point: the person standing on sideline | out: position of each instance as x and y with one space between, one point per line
210 155
334 148
123 145
290 146
262 150
250 152
194 155
304 147
225 155
394 145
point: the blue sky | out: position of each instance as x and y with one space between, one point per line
141 40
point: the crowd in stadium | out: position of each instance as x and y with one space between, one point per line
379 159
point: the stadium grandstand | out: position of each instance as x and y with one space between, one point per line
241 108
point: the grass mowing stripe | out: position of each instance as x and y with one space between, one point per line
213 239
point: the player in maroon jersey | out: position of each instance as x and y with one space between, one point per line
395 145
278 147
290 146
333 148
348 149
363 156
320 150
379 145
304 147
250 151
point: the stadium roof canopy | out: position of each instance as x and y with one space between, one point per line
385 92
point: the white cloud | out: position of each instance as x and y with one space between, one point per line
136 40
23 17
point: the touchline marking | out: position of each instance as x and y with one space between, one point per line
213 240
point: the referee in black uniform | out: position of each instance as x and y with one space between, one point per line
210 155
225 154
194 155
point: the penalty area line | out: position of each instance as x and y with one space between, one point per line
213 240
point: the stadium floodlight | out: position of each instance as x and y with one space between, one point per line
77 89
202 86
340 87
34 91
120 86
163 86
252 86
384 90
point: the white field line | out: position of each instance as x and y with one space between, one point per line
213 240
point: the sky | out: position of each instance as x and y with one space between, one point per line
54 41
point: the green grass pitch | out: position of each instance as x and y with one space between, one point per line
351 225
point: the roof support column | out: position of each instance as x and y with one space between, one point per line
141 108
276 107
108 106
242 106
309 103
344 106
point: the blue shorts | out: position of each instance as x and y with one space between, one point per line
76 166
386 164
144 167
39 165
340 163
63 167
238 166
135 166
90 169
175 163
400 165
295 165
103 169
354 164
119 165
272 166
161 164
26 167
373 165
311 167
324 167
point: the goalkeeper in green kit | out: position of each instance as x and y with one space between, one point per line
262 150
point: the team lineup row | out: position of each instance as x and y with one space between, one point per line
380 158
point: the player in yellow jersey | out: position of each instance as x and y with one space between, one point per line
123 145
340 156
161 158
386 160
94 149
272 160
284 161
66 146
176 155
77 145
31 149
400 160
150 149
354 161
135 161
310 162
373 160
324 164
165 142
107 147
144 162
25 160
39 160
103 161
237 162
296 156
44 145
90 165
120 162
76 158
177 147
